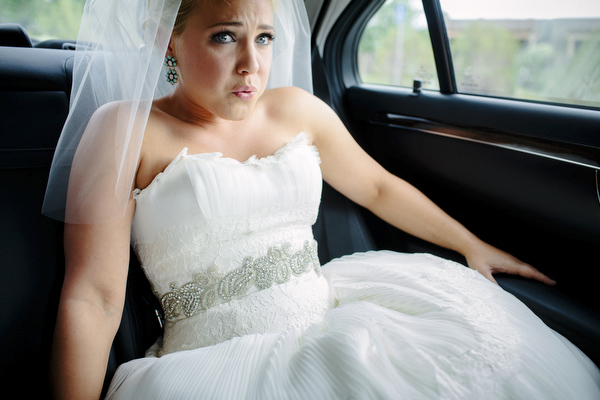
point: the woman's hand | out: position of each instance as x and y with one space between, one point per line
489 260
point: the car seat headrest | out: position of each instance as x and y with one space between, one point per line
13 35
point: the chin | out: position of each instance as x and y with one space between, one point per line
239 112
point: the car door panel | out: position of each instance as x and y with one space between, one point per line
539 204
521 175
543 208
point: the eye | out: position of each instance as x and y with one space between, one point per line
223 38
265 39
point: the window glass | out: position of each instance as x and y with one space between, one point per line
527 49
395 47
44 19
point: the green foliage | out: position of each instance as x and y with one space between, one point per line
394 53
578 78
44 19
541 60
491 60
483 57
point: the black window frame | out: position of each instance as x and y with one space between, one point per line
575 140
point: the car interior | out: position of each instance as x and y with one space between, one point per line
522 175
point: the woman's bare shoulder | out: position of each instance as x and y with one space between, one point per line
287 97
302 109
114 108
293 106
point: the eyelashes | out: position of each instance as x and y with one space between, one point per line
266 38
226 37
222 37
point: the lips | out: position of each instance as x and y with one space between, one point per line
245 92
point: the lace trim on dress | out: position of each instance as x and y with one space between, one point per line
299 139
212 287
137 192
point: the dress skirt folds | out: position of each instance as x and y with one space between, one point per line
250 314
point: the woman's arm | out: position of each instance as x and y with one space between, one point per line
91 304
351 171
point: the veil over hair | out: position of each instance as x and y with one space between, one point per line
118 70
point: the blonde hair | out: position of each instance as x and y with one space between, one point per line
184 13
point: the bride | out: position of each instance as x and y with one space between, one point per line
216 183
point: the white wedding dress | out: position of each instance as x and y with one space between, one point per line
250 314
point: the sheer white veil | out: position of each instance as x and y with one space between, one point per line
118 70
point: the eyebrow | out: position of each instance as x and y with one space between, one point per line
238 23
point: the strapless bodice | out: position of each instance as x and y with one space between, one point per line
213 233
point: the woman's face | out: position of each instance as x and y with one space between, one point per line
224 56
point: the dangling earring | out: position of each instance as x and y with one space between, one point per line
171 63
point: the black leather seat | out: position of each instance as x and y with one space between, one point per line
34 99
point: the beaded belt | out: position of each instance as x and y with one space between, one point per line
211 287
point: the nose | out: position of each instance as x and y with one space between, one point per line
248 62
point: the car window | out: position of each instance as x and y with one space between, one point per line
538 50
44 19
395 48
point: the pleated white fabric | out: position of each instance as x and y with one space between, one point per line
377 325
